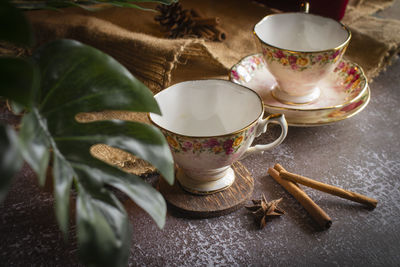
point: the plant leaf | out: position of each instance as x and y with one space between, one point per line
79 78
18 76
102 227
142 140
144 195
63 177
85 4
97 174
10 159
34 144
105 84
15 27
127 4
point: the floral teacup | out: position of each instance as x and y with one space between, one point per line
209 124
299 50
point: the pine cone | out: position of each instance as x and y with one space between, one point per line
176 20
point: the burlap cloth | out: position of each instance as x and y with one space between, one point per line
133 38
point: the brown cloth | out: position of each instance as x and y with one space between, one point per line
136 40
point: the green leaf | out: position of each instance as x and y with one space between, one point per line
14 26
144 195
142 140
99 83
129 5
63 177
85 4
102 227
79 78
10 159
97 174
34 144
18 78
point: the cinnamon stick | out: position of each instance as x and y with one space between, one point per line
220 35
206 21
330 189
323 219
206 33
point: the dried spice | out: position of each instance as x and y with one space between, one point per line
180 23
264 210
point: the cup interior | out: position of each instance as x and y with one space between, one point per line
207 108
301 32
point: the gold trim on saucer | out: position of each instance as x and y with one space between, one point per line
337 119
304 114
362 92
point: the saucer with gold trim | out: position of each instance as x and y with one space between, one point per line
344 92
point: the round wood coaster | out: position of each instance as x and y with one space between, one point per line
217 204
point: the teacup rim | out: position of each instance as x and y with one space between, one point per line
213 136
343 44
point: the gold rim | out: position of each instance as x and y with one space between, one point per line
345 43
216 136
362 91
351 114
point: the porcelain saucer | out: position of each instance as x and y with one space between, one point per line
344 92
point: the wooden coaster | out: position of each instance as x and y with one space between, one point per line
217 204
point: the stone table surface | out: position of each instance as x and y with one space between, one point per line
361 154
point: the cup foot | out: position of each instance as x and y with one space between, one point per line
205 188
296 100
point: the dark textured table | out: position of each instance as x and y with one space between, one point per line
361 154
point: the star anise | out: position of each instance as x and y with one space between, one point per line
264 210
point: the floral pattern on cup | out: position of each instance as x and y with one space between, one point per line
248 66
242 73
301 61
215 145
355 98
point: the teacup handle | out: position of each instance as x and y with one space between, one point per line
262 128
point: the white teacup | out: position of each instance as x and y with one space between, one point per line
209 124
300 49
